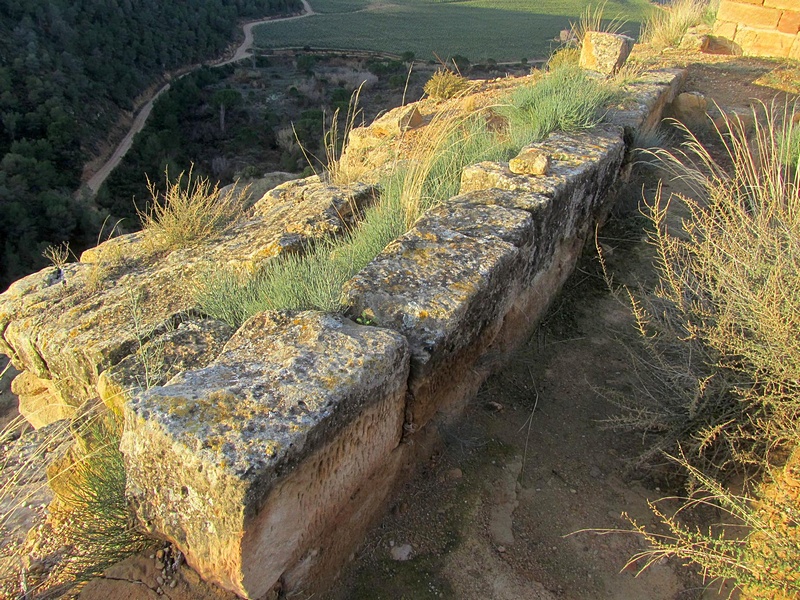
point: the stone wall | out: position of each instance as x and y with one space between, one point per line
265 454
761 27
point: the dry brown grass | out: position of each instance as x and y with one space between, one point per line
189 211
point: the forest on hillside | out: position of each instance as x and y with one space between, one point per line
68 68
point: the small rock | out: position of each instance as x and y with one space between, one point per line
690 109
401 553
573 491
159 565
391 543
160 580
454 474
595 472
173 583
530 162
160 554
495 406
411 119
604 52
501 549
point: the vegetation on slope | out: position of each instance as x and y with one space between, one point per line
69 69
430 175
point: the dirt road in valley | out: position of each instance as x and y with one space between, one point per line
242 52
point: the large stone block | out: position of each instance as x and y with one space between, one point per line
782 4
192 344
758 42
246 464
790 22
583 167
648 95
752 16
447 293
69 325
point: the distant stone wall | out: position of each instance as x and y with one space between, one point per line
265 454
761 27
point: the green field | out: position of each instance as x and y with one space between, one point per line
503 30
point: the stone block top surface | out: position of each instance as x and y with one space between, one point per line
283 382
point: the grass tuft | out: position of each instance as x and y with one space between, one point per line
89 524
567 100
189 212
444 84
667 24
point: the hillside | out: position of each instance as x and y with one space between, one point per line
69 71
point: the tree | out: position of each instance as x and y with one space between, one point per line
225 99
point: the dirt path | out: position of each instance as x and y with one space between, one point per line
242 52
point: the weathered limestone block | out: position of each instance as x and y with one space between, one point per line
246 464
648 96
446 293
761 42
530 162
68 330
584 166
754 16
40 402
287 218
690 109
192 344
482 214
604 52
70 325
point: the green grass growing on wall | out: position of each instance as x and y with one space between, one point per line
504 30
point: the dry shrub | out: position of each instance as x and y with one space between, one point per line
720 370
719 358
189 212
758 549
667 25
444 84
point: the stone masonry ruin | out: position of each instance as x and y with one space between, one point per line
265 454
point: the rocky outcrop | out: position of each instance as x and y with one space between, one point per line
112 313
265 453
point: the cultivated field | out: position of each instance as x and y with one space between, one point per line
503 30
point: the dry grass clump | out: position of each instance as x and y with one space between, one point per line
89 526
444 84
591 19
189 211
668 24
720 357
